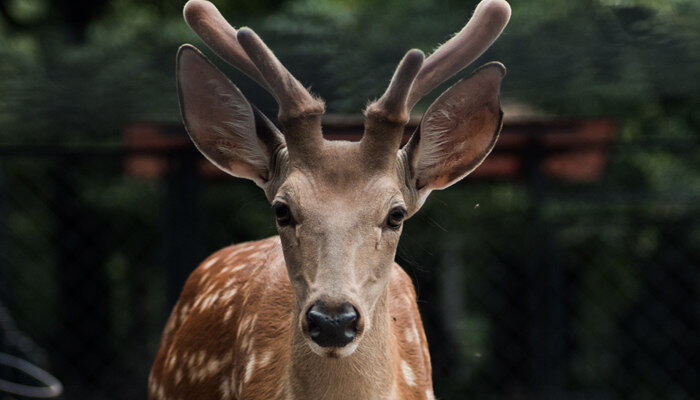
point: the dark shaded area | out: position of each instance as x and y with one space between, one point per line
564 290
554 289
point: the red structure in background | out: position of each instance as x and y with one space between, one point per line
572 150
533 149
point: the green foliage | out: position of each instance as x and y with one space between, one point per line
618 58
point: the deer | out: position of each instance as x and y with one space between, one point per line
322 310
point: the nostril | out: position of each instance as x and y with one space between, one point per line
314 318
314 332
348 317
332 329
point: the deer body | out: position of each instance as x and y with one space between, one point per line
242 293
321 311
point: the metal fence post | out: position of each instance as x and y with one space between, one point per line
452 299
547 298
4 229
180 213
80 261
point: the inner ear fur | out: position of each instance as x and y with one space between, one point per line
227 130
457 131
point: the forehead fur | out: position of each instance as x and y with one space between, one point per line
339 174
341 168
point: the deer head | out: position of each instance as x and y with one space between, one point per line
340 206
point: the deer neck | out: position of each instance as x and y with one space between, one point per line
366 374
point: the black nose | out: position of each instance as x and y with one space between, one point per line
332 328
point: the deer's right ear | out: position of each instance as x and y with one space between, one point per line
234 136
456 133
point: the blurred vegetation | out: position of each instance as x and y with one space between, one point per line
80 69
76 72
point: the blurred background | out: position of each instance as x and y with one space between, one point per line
571 257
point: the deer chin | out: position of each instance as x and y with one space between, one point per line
334 352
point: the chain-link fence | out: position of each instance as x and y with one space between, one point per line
528 288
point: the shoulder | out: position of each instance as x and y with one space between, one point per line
400 284
226 287
223 318
241 254
227 275
402 302
408 329
238 262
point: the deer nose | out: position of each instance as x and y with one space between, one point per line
332 328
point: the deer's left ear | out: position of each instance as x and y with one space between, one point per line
456 133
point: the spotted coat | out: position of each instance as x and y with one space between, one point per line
228 337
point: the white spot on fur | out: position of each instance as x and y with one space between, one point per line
247 247
225 389
178 376
247 343
232 254
228 314
243 325
249 368
429 395
265 359
212 299
408 375
184 310
226 296
197 371
172 360
247 323
203 278
213 366
209 301
238 267
197 302
411 333
170 325
209 263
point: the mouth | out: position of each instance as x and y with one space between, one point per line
333 352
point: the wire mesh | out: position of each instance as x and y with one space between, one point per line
527 290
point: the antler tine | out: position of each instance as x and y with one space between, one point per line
393 100
487 23
299 112
208 23
387 116
246 51
293 99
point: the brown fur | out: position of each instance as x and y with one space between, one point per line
241 329
213 333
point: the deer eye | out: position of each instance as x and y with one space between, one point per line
396 217
282 213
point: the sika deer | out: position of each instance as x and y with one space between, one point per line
320 311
